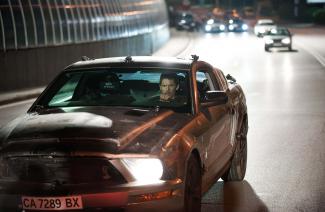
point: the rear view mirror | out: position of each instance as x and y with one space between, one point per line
215 98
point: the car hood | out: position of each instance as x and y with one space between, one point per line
104 129
276 37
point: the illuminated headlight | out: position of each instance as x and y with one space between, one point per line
144 169
210 21
182 22
231 27
286 41
208 27
268 41
262 31
244 27
222 27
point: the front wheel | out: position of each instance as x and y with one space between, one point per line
266 48
193 183
237 168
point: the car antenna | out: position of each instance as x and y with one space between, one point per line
85 58
128 59
195 57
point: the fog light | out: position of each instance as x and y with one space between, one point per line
154 196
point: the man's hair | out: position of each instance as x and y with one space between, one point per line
170 76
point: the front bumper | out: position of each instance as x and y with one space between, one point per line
277 45
160 196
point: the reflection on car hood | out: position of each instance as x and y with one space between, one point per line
113 130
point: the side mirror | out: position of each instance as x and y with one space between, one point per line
231 78
214 98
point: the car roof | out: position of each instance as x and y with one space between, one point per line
135 61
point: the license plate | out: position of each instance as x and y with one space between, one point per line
52 203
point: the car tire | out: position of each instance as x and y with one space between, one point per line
237 169
290 48
267 49
193 184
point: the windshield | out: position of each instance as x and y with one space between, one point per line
278 32
266 24
120 87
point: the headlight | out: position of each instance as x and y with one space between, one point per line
286 41
261 31
144 169
222 27
244 27
208 27
231 27
268 41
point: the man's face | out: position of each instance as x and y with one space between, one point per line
168 89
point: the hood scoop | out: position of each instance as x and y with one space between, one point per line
136 112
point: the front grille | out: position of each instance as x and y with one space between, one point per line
72 170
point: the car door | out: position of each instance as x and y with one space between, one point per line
216 120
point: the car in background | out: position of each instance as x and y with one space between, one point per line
263 26
236 25
186 21
214 25
101 138
278 37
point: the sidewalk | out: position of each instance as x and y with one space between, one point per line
177 43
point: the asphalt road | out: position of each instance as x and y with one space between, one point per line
286 107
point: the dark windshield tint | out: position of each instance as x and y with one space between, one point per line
117 87
266 24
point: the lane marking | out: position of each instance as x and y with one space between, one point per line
188 45
313 52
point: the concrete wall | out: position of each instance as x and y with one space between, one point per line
34 67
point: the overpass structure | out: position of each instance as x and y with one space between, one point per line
38 38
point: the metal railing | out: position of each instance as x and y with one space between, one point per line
41 23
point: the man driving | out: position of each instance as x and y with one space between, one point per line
168 86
